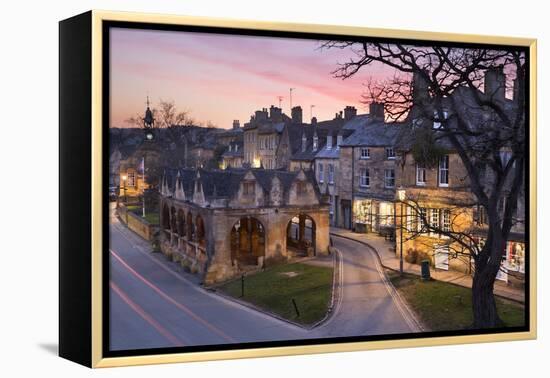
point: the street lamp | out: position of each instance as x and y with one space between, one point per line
124 178
401 196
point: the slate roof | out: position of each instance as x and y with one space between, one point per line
374 134
238 152
226 183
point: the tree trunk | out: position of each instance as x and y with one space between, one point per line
483 300
487 267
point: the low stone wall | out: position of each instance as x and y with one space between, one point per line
190 255
136 223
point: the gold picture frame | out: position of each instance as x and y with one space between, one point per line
94 26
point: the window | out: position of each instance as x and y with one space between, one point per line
331 174
446 220
321 172
385 210
131 180
481 215
422 219
364 178
249 188
444 171
434 220
389 178
365 153
315 143
331 202
301 187
437 122
390 153
420 175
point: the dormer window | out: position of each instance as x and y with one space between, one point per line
301 187
315 143
229 148
390 153
437 123
249 188
304 143
329 142
236 147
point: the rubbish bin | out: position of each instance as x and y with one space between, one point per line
425 270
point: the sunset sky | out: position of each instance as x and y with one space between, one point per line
220 78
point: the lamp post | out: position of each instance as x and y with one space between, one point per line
124 178
401 196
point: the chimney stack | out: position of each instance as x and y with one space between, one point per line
314 121
275 114
495 82
261 115
349 112
376 111
296 114
236 124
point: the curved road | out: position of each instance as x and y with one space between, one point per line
154 305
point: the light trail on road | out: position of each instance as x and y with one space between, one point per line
169 299
145 316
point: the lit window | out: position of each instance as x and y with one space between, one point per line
444 171
364 178
365 153
446 220
389 178
420 175
434 220
131 180
390 153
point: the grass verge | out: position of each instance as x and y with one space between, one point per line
273 290
442 306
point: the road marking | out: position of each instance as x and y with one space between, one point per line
405 312
145 316
171 300
125 234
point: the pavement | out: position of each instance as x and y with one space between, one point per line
388 259
154 303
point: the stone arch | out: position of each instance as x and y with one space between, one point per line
301 234
181 223
190 227
200 233
248 242
173 222
165 217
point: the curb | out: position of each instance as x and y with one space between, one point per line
334 298
408 314
518 301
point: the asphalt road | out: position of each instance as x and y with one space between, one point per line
153 305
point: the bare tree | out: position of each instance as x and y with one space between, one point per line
442 86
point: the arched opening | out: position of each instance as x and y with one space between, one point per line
173 222
165 218
181 223
248 242
200 234
190 227
300 235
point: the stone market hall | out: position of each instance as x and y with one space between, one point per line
221 223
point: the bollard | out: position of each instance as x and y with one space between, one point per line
242 286
296 308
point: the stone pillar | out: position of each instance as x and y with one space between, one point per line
322 240
218 248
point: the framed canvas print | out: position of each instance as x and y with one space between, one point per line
235 189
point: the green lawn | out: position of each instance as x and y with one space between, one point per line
442 306
273 290
151 217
